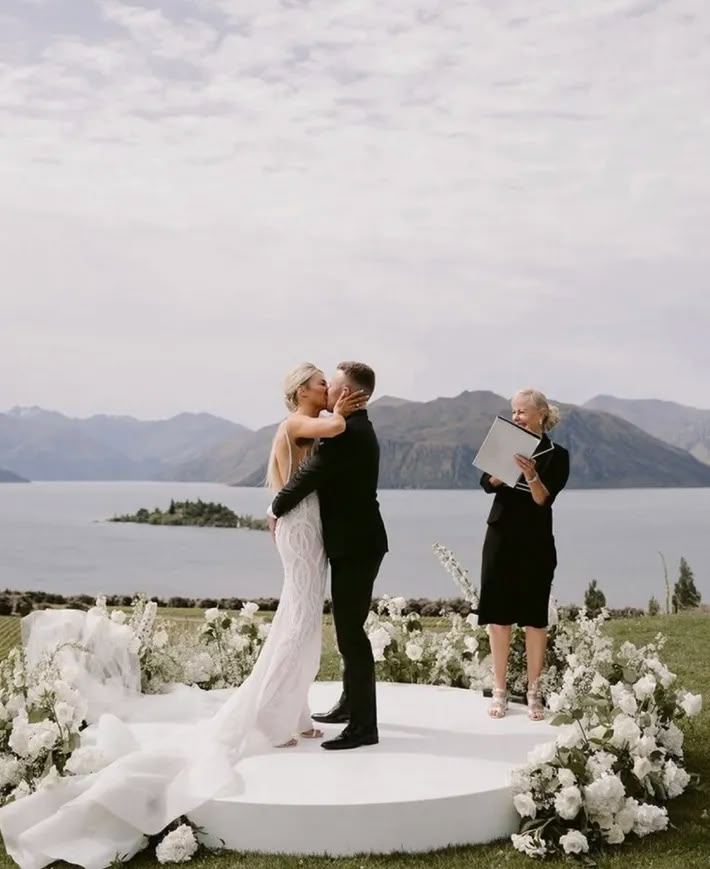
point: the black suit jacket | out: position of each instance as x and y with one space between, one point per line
344 471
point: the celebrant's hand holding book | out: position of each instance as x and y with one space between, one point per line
506 452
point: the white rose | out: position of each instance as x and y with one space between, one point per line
671 738
555 702
642 767
212 614
528 845
472 620
623 699
675 778
599 684
574 842
64 713
649 819
379 640
543 754
566 777
250 609
645 746
645 687
10 770
604 796
691 704
119 617
414 651
263 630
520 779
626 732
198 669
178 846
471 644
525 805
614 835
626 816
568 802
14 705
238 642
569 736
572 661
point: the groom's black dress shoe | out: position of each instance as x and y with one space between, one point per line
337 715
351 739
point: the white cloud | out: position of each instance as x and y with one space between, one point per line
467 194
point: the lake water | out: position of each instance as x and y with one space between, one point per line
53 537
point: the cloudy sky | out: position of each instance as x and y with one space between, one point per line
468 194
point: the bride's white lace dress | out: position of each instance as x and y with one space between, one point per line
170 752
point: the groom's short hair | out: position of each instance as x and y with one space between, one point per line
359 375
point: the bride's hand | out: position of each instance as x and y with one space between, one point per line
348 402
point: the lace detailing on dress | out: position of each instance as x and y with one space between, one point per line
290 658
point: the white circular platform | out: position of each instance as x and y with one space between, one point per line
439 776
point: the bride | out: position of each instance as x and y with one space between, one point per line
166 754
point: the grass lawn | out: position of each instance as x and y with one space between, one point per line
686 846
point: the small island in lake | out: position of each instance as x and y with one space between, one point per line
204 514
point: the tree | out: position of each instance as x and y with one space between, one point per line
685 594
654 607
594 599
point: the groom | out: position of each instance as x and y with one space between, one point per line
344 472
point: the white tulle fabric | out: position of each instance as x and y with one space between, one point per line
172 752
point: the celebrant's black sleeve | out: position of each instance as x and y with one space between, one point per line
486 485
555 474
322 467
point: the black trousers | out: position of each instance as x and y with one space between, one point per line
352 580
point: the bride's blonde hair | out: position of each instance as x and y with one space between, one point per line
550 412
294 380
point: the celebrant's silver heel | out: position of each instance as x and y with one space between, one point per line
499 706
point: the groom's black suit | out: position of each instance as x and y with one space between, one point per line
344 472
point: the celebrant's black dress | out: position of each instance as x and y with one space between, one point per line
519 555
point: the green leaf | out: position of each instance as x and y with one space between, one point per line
562 718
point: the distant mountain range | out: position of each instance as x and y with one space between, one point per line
9 477
430 445
684 427
45 445
427 445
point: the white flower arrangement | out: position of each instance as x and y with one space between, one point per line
618 756
616 760
41 713
39 725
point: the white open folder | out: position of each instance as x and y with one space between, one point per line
503 442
